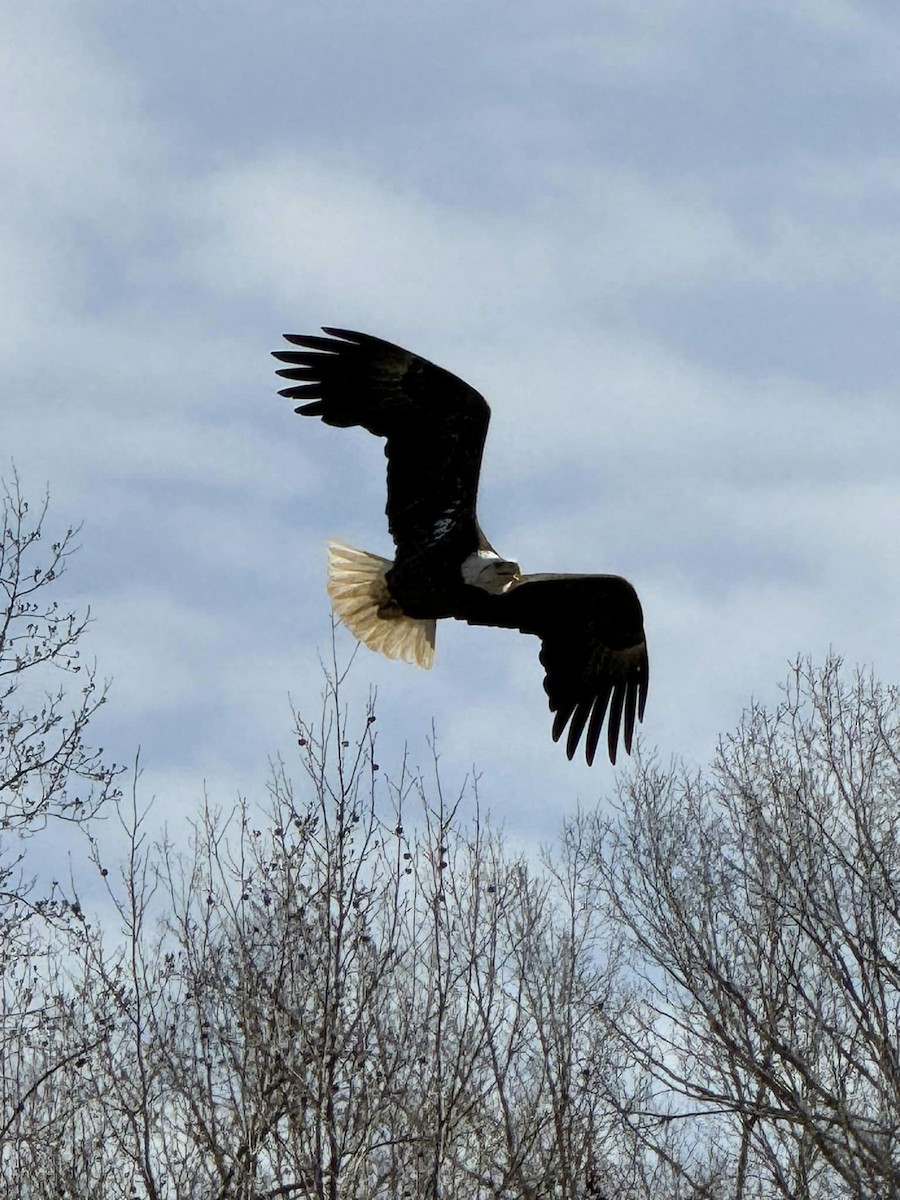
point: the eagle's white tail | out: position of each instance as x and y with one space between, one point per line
360 597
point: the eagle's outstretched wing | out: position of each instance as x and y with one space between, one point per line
593 650
435 425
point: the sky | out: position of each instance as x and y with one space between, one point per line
662 239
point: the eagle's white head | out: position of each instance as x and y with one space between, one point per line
485 569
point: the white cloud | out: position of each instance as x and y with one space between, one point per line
870 31
79 162
612 40
73 137
308 233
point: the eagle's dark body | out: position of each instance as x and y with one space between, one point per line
591 627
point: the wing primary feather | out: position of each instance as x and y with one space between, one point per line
593 733
562 715
642 690
306 410
630 704
302 391
299 357
299 373
352 335
312 342
615 718
578 720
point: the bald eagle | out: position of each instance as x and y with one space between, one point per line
591 627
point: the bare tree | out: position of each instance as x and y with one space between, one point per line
47 695
354 991
761 906
47 772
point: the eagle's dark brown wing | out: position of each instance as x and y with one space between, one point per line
593 650
435 425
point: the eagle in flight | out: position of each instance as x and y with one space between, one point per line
591 628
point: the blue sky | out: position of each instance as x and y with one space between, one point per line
662 239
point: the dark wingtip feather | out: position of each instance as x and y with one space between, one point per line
312 341
347 335
562 716
303 391
300 357
298 373
575 729
593 734
316 409
630 703
615 718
